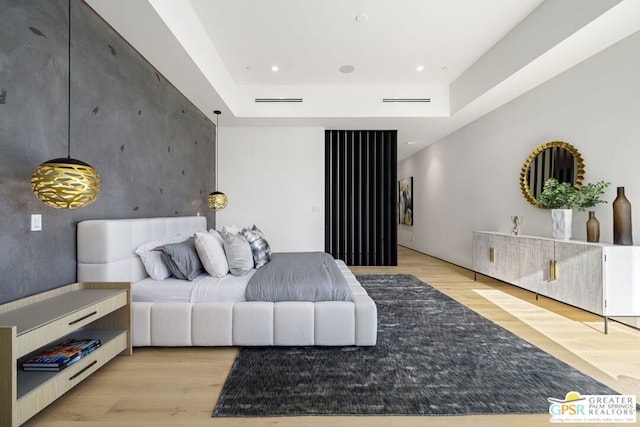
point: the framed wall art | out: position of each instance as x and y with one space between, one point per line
405 201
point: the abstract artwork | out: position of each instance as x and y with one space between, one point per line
405 201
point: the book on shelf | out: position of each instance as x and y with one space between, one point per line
61 355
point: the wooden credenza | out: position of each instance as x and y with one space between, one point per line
29 325
603 279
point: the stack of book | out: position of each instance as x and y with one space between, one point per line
61 355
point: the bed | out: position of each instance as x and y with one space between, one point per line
210 311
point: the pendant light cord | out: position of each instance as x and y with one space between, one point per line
69 94
217 113
217 118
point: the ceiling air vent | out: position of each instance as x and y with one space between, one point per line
406 99
278 100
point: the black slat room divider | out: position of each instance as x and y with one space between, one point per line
361 196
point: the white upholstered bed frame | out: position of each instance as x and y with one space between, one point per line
106 253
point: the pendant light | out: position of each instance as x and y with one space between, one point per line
66 183
217 200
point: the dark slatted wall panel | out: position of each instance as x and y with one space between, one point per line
361 196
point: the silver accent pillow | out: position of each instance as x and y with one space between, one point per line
260 248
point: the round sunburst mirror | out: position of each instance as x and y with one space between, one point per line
555 159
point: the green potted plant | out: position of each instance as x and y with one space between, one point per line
590 194
562 198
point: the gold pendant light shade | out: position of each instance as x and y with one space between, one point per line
66 183
217 201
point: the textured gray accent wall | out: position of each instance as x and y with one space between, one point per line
153 149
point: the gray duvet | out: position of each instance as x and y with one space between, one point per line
299 276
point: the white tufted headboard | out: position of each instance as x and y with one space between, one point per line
106 246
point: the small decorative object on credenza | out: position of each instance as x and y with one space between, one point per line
593 228
622 219
561 221
563 197
516 221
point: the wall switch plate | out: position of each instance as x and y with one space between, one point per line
36 222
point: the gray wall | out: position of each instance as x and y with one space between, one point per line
152 148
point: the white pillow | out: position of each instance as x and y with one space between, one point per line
211 252
152 260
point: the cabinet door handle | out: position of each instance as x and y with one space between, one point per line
492 254
82 318
553 270
76 375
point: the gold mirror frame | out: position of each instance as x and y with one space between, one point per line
524 173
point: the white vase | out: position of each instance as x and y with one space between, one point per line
561 223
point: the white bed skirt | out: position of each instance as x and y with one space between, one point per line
106 253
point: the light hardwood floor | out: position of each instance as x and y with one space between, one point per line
179 386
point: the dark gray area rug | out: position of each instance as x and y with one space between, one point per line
434 357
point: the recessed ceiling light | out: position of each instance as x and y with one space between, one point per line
274 68
410 142
361 17
346 69
420 68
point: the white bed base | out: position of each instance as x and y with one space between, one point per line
106 253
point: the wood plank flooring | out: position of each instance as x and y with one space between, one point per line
179 386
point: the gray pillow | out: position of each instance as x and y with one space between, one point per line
171 266
239 255
182 259
260 248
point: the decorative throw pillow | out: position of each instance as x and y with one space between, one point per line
210 248
182 259
172 266
239 256
260 249
152 259
228 229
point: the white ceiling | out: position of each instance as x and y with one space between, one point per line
310 40
476 55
